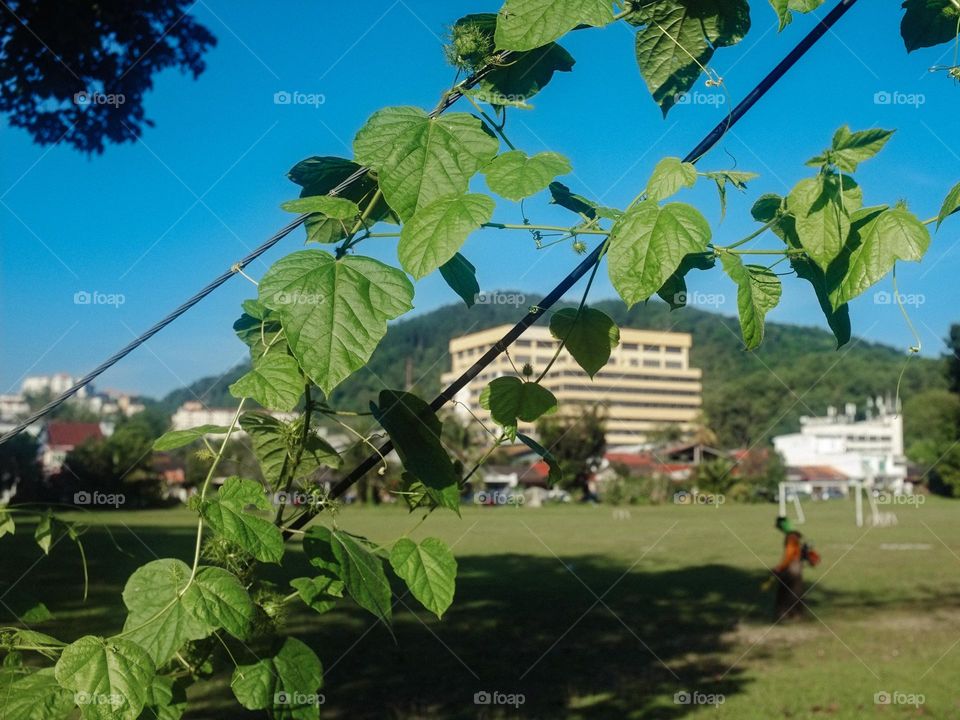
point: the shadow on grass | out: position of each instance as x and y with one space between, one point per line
534 626
520 625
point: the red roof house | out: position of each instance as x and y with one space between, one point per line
59 438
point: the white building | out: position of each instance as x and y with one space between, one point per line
193 414
13 407
114 403
869 450
54 384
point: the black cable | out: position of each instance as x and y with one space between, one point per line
705 145
588 262
120 354
445 102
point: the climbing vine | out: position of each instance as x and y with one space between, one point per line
319 313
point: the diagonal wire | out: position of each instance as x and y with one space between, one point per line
556 294
446 101
593 258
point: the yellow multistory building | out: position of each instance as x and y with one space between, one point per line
648 383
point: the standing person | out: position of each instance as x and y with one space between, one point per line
788 575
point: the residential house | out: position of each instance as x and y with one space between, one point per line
58 438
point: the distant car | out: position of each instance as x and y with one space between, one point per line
832 494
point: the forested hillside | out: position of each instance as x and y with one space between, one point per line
747 396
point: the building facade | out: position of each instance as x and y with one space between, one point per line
648 383
194 414
58 438
13 407
869 449
53 384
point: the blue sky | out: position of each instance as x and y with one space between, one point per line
157 219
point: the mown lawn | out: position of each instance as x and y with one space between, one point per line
590 614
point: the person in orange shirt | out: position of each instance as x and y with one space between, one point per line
788 574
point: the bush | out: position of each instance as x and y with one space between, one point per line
633 490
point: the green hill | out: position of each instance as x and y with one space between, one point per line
748 397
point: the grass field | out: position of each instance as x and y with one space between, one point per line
588 615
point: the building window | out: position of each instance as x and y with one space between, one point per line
651 348
674 364
651 363
673 349
631 346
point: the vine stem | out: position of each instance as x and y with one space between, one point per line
583 301
361 223
345 413
562 239
420 522
203 495
914 349
482 460
585 265
367 211
787 251
488 121
307 414
362 439
86 571
753 235
476 419
196 553
556 228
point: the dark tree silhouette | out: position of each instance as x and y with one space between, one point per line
75 71
953 358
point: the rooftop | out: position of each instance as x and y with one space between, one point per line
71 434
